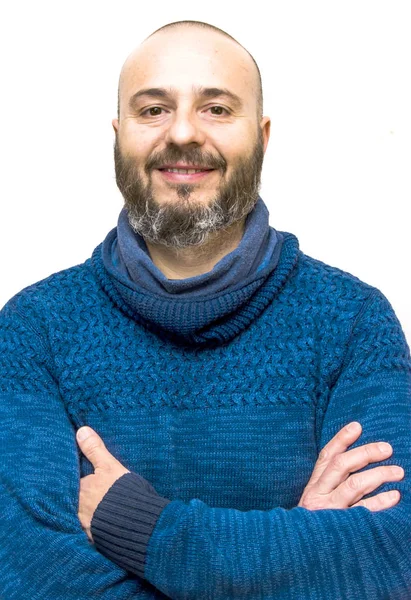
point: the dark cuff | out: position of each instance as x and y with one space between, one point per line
124 521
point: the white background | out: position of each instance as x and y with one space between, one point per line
336 77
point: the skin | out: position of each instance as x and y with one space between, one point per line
182 62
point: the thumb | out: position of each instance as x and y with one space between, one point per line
93 448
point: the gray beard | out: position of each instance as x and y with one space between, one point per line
185 223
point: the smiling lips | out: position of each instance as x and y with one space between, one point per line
183 173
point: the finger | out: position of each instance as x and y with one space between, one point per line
339 443
341 465
361 484
92 446
381 501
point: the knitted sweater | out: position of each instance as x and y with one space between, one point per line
223 408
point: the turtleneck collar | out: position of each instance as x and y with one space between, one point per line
130 255
199 310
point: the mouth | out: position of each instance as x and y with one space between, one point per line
184 173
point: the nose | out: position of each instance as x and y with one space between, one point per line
184 129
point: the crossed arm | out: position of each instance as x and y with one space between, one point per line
197 551
372 545
334 483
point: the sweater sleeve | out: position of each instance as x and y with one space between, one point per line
44 553
197 552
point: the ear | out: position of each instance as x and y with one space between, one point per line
115 125
265 125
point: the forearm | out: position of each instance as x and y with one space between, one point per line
200 552
197 552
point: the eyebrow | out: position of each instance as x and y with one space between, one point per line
201 92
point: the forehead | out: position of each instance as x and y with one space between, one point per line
189 59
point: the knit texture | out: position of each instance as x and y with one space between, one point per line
224 416
124 521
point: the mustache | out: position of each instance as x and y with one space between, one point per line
193 156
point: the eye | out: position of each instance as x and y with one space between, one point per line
218 111
153 111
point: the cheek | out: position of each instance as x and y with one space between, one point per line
234 144
138 141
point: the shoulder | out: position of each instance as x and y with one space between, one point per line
330 286
343 302
332 278
330 297
316 275
54 295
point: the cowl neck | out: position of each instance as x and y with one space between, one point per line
131 257
198 310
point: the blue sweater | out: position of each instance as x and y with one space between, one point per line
223 406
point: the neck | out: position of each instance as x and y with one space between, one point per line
181 263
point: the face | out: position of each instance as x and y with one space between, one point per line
189 145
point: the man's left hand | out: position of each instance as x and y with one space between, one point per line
107 469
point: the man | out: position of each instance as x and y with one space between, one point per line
236 392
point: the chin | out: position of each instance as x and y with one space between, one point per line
185 194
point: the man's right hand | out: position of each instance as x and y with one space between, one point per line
334 482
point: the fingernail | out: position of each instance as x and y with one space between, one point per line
384 447
83 433
353 427
397 471
393 495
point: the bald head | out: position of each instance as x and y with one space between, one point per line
194 37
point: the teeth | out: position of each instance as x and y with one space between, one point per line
185 171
